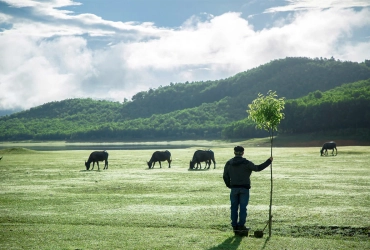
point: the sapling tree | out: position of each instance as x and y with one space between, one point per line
266 112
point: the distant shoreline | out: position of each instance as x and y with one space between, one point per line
279 141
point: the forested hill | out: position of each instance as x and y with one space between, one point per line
290 77
181 110
344 110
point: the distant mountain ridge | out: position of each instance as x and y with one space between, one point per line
290 77
180 110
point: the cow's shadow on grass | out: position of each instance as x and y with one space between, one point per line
202 169
231 243
84 170
155 168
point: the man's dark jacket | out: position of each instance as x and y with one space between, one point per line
238 170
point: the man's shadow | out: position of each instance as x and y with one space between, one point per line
231 243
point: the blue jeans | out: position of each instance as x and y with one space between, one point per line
239 198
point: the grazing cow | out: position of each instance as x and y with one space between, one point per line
328 145
97 156
203 155
160 156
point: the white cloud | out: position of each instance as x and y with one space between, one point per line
51 60
297 5
45 19
33 72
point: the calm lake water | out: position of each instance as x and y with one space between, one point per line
97 147
106 146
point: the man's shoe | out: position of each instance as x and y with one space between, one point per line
236 231
243 230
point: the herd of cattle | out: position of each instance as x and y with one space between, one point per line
199 156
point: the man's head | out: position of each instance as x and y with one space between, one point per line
238 150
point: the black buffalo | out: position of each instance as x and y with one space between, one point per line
328 145
160 156
203 155
97 156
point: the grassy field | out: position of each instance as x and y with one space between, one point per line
49 201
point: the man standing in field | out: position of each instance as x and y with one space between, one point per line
236 176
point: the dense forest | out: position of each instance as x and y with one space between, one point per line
344 109
321 95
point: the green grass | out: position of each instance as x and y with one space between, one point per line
49 201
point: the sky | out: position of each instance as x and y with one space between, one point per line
52 50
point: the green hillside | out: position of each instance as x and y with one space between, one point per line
211 109
344 109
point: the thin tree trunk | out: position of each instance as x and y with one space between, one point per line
270 209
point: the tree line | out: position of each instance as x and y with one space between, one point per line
316 98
